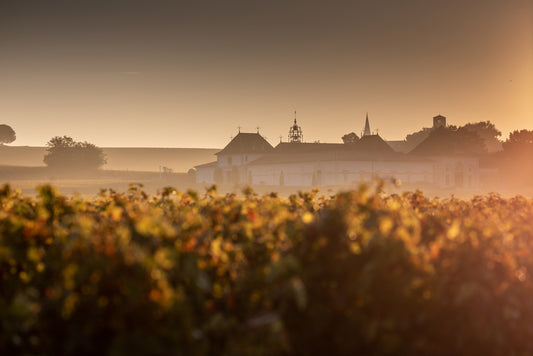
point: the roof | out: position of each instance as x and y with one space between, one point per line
207 165
247 143
446 142
398 145
373 143
368 148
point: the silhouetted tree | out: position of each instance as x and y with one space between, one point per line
350 138
479 137
519 141
488 133
7 134
470 140
516 160
65 154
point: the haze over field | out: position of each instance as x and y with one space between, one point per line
120 158
187 74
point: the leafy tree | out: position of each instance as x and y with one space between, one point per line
470 140
519 141
7 134
515 162
488 133
479 137
350 138
66 154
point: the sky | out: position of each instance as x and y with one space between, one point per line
161 73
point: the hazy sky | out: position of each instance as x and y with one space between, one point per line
188 73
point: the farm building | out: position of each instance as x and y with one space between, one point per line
250 159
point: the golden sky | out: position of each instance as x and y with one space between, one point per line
164 73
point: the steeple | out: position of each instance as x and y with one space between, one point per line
367 127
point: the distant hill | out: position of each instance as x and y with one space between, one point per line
120 158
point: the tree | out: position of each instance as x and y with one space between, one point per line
7 134
470 140
65 154
350 138
519 141
488 133
479 137
517 158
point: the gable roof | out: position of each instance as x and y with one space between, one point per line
247 143
373 143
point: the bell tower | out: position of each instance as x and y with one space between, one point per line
295 132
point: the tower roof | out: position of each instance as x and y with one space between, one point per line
246 143
367 127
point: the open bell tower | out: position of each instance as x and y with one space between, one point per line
295 132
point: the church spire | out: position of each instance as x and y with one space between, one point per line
367 127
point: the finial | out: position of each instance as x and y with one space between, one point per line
239 129
280 138
257 129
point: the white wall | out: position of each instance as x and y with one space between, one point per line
448 172
340 172
236 160
205 175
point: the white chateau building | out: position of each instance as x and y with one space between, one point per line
250 159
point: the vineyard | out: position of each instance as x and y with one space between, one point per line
198 273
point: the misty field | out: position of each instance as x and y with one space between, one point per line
199 273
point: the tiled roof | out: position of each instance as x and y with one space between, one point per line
247 143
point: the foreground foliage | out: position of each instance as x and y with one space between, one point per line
192 274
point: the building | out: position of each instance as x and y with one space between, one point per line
232 162
250 159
